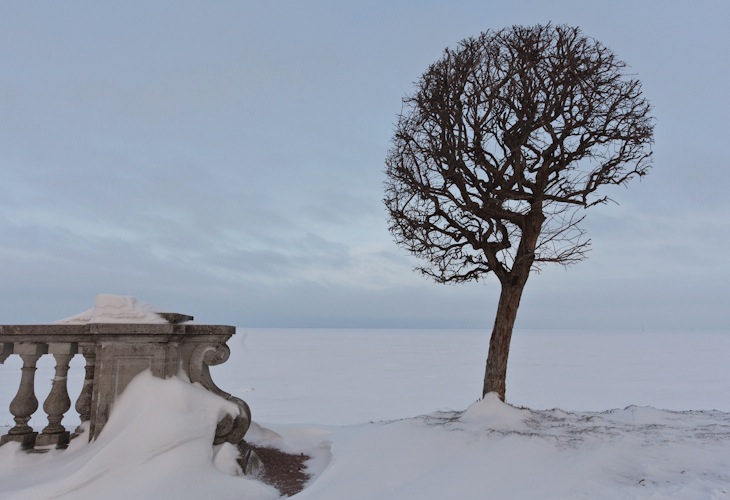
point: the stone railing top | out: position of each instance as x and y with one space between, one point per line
175 318
44 332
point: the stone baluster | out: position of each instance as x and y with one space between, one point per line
6 349
25 403
83 404
58 403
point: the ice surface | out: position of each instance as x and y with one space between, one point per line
354 376
361 403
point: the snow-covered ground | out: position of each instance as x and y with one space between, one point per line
394 415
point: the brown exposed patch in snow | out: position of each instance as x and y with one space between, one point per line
283 471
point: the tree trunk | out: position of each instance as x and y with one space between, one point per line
496 371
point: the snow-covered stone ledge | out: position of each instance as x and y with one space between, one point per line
118 339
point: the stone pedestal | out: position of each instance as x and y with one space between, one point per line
27 440
125 350
59 439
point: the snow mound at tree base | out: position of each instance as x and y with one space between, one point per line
494 450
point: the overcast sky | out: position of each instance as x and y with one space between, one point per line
225 160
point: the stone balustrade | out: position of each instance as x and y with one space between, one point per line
114 354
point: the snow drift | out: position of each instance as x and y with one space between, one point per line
156 444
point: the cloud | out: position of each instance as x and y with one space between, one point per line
227 161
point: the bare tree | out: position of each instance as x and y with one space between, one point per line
503 144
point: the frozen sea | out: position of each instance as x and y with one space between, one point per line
341 376
350 376
394 414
